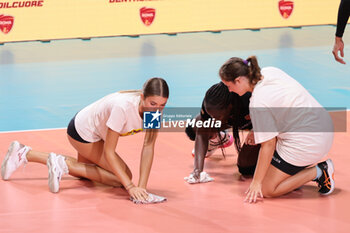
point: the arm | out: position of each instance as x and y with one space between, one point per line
116 164
343 17
200 148
147 157
265 156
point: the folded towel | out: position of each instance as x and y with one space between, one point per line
152 198
203 178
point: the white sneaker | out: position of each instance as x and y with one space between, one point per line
57 167
217 143
15 157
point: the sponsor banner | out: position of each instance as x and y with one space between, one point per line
293 120
60 19
147 15
286 8
6 23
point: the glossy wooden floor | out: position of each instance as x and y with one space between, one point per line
26 205
42 85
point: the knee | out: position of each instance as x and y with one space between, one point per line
269 192
246 171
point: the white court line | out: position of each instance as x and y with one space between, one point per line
31 130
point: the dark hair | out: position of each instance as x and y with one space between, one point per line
218 96
235 67
155 87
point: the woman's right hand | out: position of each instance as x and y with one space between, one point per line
137 193
250 139
338 47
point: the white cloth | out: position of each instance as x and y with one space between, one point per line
152 198
203 178
117 111
281 107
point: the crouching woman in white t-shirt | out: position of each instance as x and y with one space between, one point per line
94 133
294 130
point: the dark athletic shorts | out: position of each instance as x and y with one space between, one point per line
72 131
285 167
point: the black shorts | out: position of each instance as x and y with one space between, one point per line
72 131
285 167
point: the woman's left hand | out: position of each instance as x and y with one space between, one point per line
253 192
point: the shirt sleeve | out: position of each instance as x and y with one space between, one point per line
343 17
264 123
117 119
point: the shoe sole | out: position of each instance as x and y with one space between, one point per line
51 173
7 156
211 152
330 171
228 143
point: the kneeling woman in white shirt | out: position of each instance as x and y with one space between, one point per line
294 130
94 132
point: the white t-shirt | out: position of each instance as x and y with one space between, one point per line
117 111
281 107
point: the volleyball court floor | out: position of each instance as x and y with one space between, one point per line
44 84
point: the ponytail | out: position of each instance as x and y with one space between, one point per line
236 67
254 74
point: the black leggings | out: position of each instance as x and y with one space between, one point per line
247 158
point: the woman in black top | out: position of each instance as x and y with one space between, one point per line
233 111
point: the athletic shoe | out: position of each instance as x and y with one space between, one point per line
15 157
217 143
57 167
326 181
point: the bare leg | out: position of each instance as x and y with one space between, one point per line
93 152
277 183
77 169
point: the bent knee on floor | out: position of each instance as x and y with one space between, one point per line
270 192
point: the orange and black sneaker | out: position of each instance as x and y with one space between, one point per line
326 181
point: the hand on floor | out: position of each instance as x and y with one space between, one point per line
152 198
204 178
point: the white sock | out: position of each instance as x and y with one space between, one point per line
319 172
